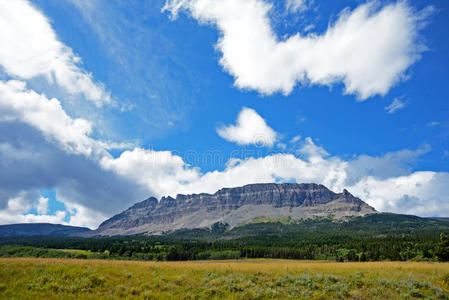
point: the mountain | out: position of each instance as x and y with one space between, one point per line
41 229
444 219
234 206
265 232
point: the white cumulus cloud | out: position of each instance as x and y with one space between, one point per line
161 172
16 210
30 49
41 146
385 182
7 217
42 206
420 193
368 49
250 128
17 103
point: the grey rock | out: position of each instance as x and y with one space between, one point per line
234 206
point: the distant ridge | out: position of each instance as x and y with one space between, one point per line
444 219
41 229
234 206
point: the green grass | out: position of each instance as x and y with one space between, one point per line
31 278
76 252
264 219
27 251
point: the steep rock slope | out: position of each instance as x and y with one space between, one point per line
234 206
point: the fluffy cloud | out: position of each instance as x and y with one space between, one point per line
43 147
17 103
17 207
94 190
31 49
82 215
385 182
20 104
162 172
420 193
166 174
30 162
7 217
42 206
367 49
395 106
249 129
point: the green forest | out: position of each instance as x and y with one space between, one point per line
381 237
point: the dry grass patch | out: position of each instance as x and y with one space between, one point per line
27 278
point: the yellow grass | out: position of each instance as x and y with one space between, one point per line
27 278
76 251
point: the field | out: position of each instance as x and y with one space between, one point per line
38 278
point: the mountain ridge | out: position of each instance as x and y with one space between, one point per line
41 229
234 206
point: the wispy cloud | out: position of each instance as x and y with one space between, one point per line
295 139
395 106
296 5
432 124
148 59
445 154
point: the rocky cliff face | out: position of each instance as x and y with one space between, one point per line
234 206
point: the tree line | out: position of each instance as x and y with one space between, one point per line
163 248
376 237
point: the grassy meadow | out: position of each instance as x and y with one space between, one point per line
50 278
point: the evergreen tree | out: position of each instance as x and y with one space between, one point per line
442 250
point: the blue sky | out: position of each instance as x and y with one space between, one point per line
105 103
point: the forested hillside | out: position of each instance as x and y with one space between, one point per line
370 238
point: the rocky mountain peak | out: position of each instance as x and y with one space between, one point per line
235 206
